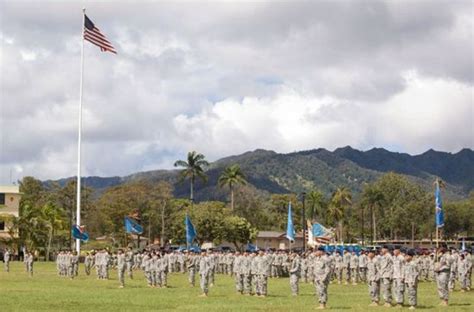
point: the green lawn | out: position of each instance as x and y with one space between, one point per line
48 292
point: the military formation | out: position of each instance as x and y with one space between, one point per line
392 276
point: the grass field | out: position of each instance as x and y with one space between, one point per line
48 292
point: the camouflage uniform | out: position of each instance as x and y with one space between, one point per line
386 271
398 284
295 274
411 275
321 277
373 279
205 267
442 270
121 266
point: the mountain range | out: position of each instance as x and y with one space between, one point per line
272 172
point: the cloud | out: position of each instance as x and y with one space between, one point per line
224 78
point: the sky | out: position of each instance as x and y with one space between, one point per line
225 77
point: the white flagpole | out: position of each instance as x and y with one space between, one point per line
79 134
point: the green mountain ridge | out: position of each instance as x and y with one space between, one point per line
272 172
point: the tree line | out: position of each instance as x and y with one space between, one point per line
392 207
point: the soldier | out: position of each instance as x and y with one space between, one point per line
213 259
464 267
205 267
245 270
322 271
88 263
295 273
263 271
155 270
148 269
373 278
238 277
410 277
442 270
29 259
338 266
121 267
346 259
363 266
74 264
181 260
253 272
386 272
304 268
354 266
6 260
453 274
398 284
129 262
163 269
192 267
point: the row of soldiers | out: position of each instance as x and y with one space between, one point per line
389 274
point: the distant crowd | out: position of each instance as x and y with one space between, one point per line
391 275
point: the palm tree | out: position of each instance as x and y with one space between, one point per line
373 197
193 168
53 218
232 176
315 204
341 198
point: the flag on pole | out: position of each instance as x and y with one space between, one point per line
190 231
131 226
439 207
79 233
290 230
94 36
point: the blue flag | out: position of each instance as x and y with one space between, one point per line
190 231
290 230
439 207
131 226
79 233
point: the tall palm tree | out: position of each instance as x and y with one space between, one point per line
373 198
232 176
341 199
193 168
53 219
315 204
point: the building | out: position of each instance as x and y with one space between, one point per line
277 240
9 207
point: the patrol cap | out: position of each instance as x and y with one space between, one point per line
411 252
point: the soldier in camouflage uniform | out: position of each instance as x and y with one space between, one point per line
238 277
246 271
386 271
453 274
373 278
354 265
346 268
295 273
363 266
322 273
263 271
29 259
88 263
338 266
6 260
192 268
129 262
121 266
205 268
410 277
464 269
442 270
398 284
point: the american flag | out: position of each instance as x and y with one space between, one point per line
93 35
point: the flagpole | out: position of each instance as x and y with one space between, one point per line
79 136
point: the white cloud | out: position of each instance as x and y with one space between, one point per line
225 78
